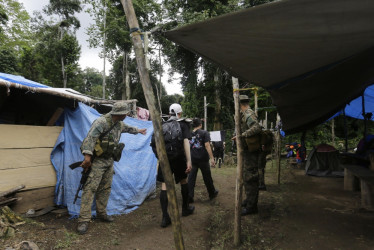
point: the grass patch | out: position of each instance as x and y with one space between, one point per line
69 239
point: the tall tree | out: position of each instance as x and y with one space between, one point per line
67 26
48 51
110 22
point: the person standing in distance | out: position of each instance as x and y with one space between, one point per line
250 137
99 181
180 164
201 152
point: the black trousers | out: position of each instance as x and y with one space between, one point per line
207 177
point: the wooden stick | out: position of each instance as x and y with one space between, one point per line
13 190
156 119
239 170
9 201
55 116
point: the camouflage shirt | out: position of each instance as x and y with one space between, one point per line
248 124
100 126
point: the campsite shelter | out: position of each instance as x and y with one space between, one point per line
41 129
323 160
315 53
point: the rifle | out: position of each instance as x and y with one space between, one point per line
84 177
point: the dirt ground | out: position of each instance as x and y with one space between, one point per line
302 212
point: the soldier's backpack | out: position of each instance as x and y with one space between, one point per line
267 139
173 139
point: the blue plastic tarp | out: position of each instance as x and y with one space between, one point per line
21 80
135 174
354 108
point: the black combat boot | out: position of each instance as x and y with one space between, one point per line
214 195
246 211
186 208
105 218
166 221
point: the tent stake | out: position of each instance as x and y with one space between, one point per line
156 120
239 169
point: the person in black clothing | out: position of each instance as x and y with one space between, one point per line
218 152
201 152
180 167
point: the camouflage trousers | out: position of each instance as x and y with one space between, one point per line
261 167
250 178
99 183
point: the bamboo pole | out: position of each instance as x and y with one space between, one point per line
159 138
239 169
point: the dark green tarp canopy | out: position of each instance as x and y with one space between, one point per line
313 56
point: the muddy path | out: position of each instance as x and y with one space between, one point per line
302 212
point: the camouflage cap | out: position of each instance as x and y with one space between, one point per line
120 108
243 98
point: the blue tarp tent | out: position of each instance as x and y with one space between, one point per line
135 173
22 81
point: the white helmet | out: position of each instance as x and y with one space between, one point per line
175 108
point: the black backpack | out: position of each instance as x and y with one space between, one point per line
173 139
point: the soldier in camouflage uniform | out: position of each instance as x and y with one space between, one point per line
99 181
250 128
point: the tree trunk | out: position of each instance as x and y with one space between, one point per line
218 105
64 77
124 75
156 120
127 79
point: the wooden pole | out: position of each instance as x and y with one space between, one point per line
256 101
364 114
278 139
345 131
205 115
239 169
104 52
333 131
266 120
159 138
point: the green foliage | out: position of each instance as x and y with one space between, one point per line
14 24
69 47
65 9
8 61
